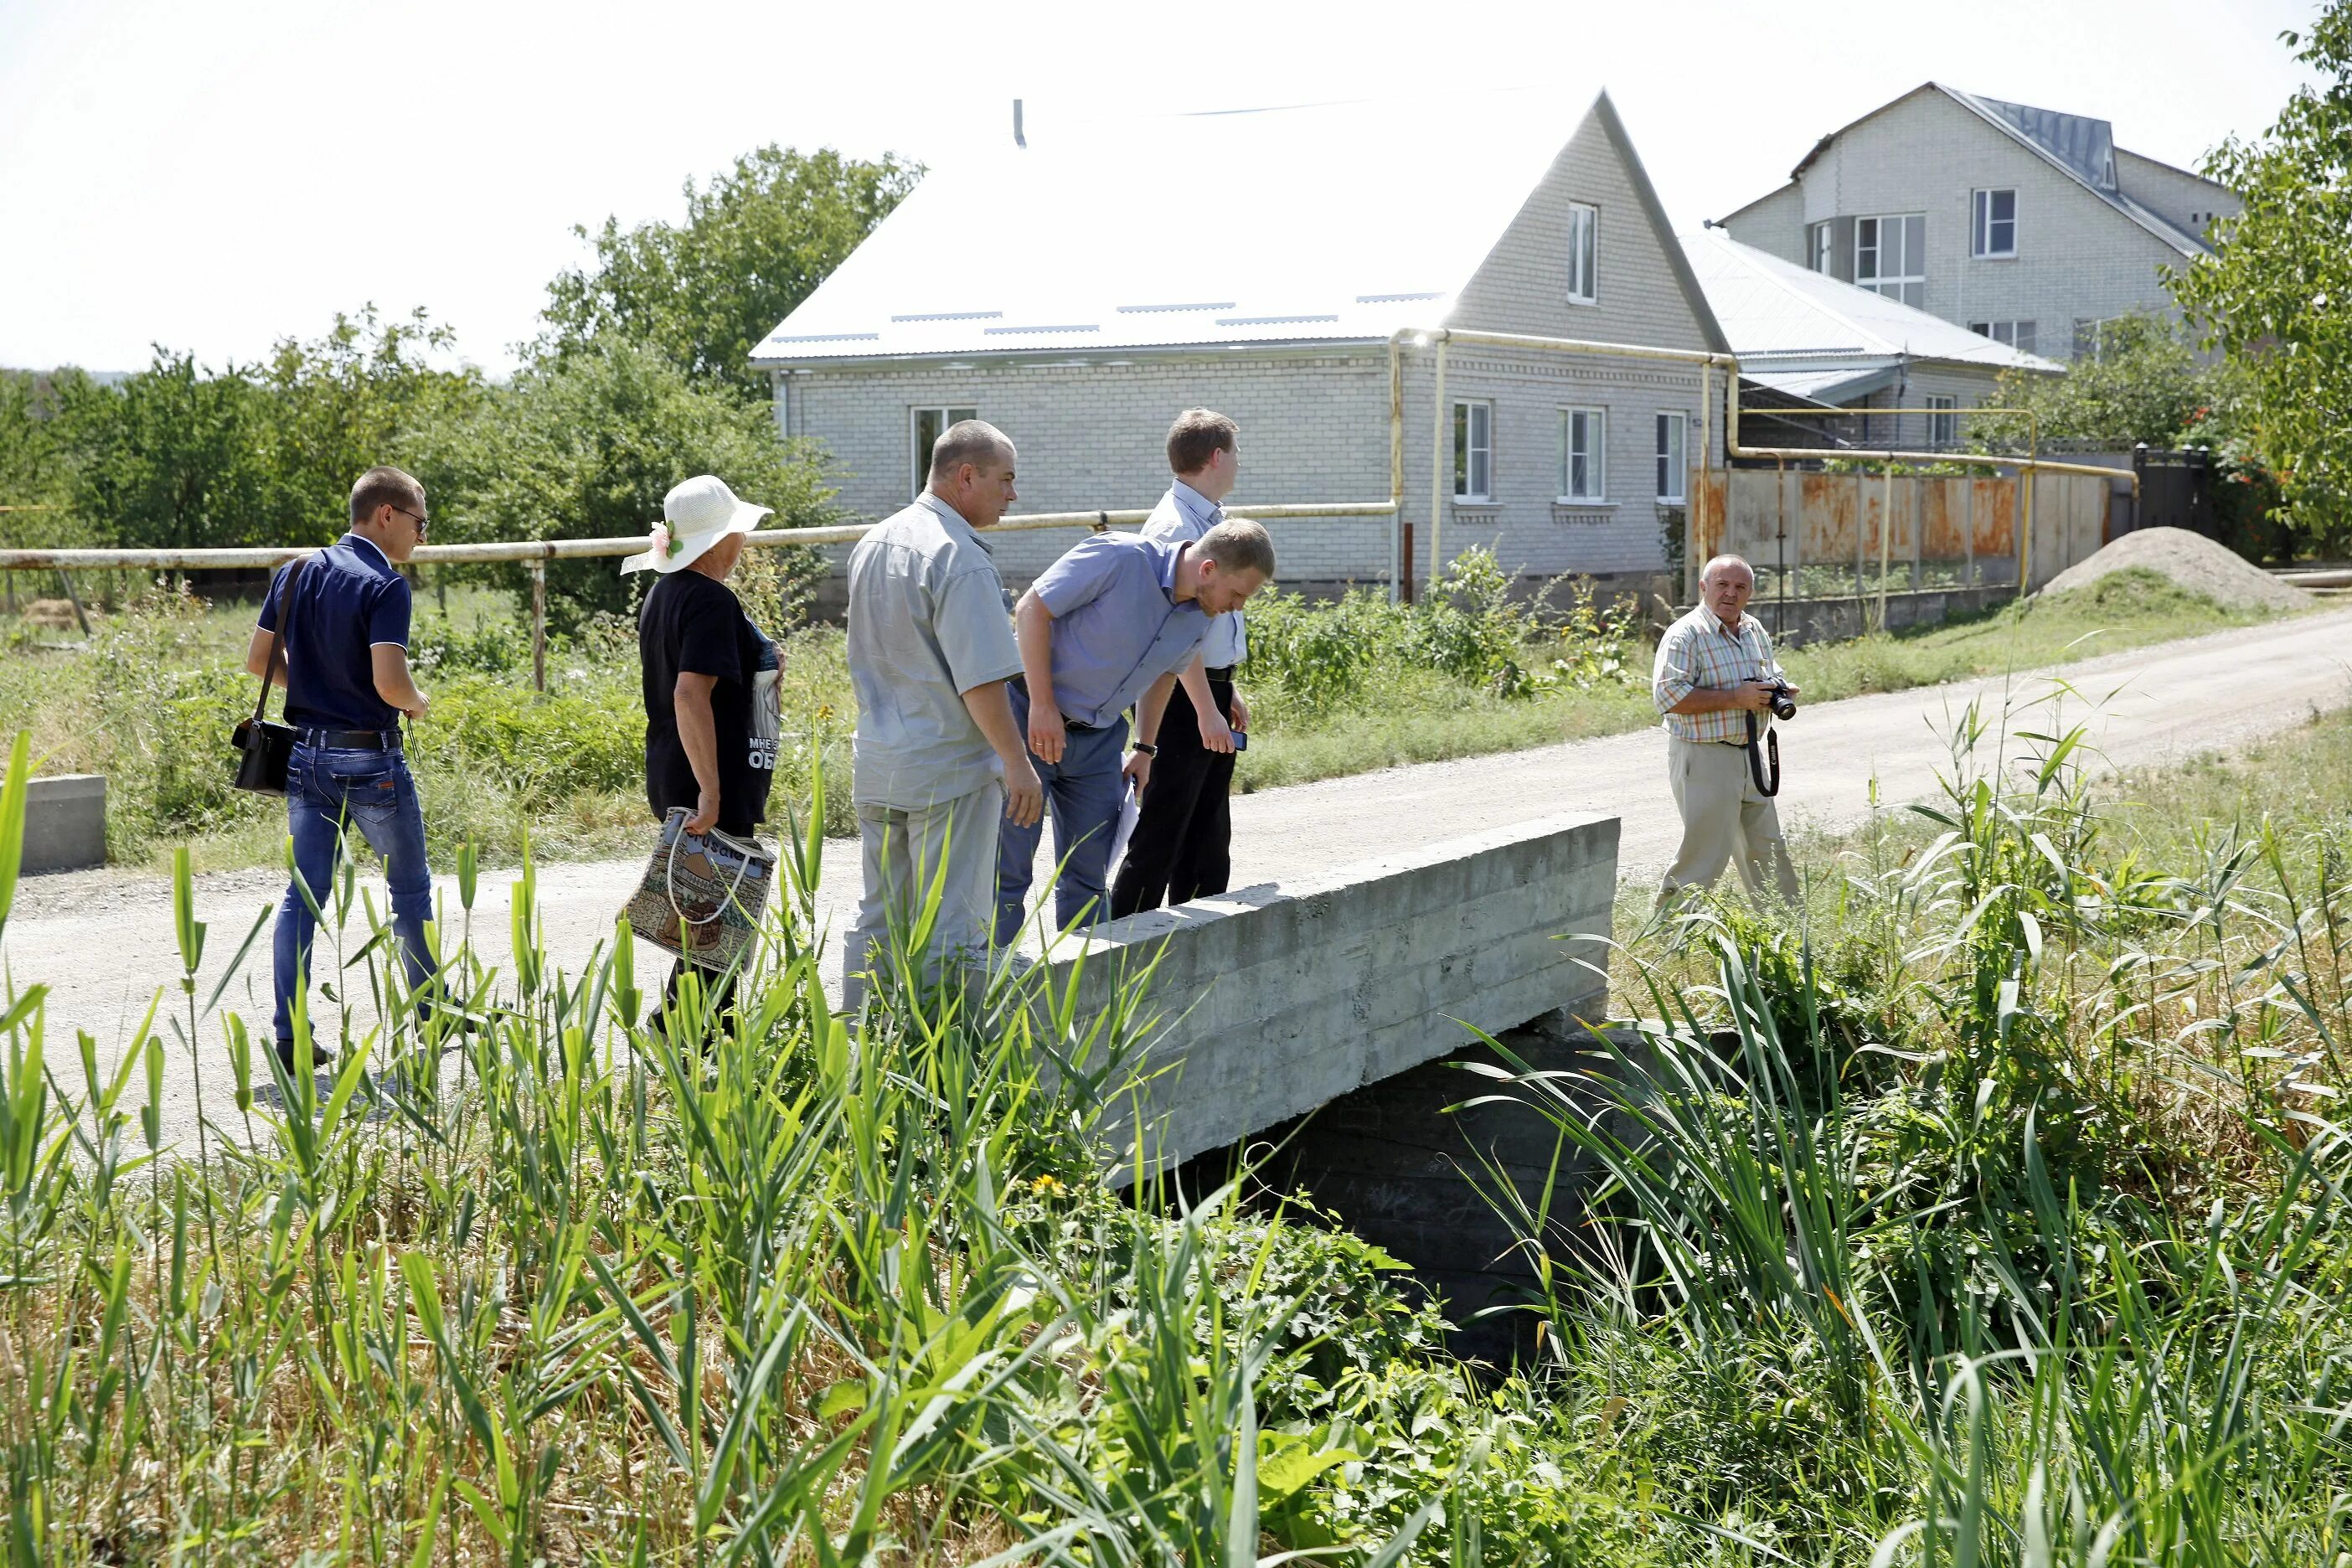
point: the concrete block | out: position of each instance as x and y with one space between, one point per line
1269 1002
65 822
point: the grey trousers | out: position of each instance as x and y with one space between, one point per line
904 850
1726 820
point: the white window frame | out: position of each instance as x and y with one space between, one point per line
2006 333
1583 254
1469 452
1821 246
1985 225
1596 455
1891 285
1943 421
1674 456
919 449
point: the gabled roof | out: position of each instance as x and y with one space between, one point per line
1779 315
2078 146
2084 150
1336 222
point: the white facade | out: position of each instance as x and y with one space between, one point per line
2081 230
1091 413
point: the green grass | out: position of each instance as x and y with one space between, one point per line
2005 1224
1335 691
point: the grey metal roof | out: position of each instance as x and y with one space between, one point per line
1779 314
1319 223
2084 149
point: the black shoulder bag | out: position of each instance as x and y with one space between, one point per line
265 747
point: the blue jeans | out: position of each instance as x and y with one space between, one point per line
1082 792
325 787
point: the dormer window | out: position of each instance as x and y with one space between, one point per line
1583 254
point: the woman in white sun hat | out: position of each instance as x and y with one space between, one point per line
710 674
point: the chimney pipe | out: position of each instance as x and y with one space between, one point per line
1018 138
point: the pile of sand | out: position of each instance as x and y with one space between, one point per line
2192 561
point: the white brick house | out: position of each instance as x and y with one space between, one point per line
1806 340
2029 226
1069 293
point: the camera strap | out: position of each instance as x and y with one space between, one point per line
1756 756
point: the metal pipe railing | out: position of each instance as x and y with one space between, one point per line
545 550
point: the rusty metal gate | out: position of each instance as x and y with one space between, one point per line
1826 533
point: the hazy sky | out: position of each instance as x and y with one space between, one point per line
216 175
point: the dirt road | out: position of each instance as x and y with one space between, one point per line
104 942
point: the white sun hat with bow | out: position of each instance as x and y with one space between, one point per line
697 514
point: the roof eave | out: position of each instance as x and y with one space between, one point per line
1087 351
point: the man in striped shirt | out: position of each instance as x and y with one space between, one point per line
1715 667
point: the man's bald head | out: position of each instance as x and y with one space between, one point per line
1727 563
1724 587
974 441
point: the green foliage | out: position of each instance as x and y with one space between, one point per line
1468 629
756 242
585 446
2277 293
2144 383
33 470
177 457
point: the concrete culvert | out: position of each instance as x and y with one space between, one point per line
2193 562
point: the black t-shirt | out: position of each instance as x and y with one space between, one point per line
692 623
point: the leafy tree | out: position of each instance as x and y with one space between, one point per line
352 399
2277 293
34 471
174 457
756 242
2143 383
586 445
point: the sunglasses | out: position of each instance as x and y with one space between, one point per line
422 522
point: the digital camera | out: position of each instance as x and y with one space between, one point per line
1784 702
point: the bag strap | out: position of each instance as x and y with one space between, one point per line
277 639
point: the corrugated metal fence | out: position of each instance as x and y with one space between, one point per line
1844 532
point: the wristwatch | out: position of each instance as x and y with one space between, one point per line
1146 748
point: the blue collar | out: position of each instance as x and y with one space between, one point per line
1193 502
353 537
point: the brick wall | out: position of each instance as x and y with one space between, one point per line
2078 257
1314 420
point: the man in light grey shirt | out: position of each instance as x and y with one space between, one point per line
1181 848
937 757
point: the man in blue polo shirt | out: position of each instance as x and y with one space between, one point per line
345 671
1107 626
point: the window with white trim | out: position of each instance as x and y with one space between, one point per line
2019 335
1672 466
1943 427
924 428
1890 255
1583 455
1583 254
1821 249
1992 223
1473 451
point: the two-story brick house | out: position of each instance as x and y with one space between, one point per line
2028 226
1079 290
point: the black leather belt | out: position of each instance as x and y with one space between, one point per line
1223 672
354 740
1021 684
